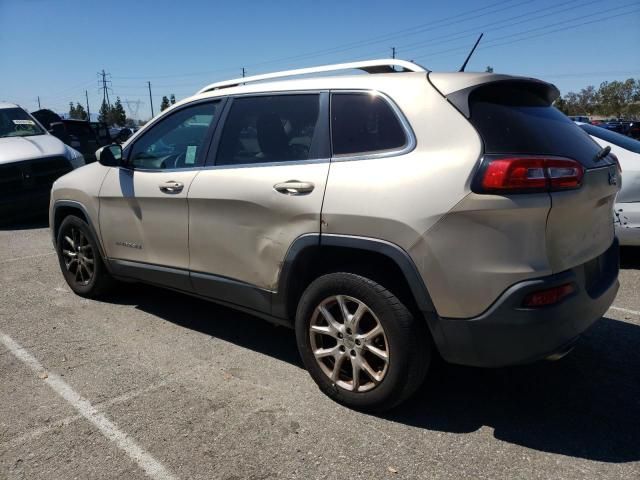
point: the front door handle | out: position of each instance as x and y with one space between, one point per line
294 187
171 187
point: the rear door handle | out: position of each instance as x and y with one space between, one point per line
171 187
294 187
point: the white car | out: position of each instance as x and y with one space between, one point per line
627 208
31 159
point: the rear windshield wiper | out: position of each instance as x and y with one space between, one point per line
602 153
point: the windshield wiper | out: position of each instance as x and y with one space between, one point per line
602 153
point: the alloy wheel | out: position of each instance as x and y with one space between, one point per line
349 343
78 256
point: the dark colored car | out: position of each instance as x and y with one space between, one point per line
79 134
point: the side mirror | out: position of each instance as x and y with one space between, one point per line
110 155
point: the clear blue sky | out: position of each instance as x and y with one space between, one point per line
54 48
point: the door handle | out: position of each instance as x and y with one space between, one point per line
171 187
294 187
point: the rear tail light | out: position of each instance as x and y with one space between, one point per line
550 296
527 175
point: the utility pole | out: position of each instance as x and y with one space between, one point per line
393 52
86 95
105 87
242 72
39 107
150 99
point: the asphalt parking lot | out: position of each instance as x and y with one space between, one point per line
153 384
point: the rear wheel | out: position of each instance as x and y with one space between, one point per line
360 344
80 260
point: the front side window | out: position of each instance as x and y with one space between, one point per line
176 141
362 123
277 128
15 122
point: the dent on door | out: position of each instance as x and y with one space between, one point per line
242 221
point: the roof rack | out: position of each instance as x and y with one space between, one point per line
369 66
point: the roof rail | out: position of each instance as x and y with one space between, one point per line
369 66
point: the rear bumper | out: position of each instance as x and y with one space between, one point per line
508 334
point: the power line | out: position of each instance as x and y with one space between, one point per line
492 43
353 45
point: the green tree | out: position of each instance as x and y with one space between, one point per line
104 115
172 99
72 110
561 105
81 113
489 69
165 103
118 115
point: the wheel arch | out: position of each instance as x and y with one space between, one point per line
64 208
313 255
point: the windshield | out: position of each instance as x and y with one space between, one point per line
621 141
15 122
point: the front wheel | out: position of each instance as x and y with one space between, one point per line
360 344
80 260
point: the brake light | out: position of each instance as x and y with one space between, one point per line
528 174
550 296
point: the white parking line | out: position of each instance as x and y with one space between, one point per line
150 465
625 310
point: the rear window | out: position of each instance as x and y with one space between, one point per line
364 123
520 120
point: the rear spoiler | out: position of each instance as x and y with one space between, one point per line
458 88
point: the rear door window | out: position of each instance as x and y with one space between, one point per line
363 123
271 128
515 119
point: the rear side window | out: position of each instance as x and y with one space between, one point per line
516 119
362 123
277 128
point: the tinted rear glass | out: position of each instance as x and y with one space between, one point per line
513 119
363 123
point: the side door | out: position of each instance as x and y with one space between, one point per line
144 212
262 188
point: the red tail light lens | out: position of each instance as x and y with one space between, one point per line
527 175
550 296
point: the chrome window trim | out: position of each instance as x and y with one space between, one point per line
409 146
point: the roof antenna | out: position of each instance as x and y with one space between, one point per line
464 65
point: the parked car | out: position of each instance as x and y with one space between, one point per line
30 161
579 118
634 129
627 207
79 134
386 217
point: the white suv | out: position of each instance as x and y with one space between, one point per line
386 216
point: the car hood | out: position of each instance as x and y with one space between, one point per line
15 149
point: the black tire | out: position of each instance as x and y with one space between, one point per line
93 280
406 340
